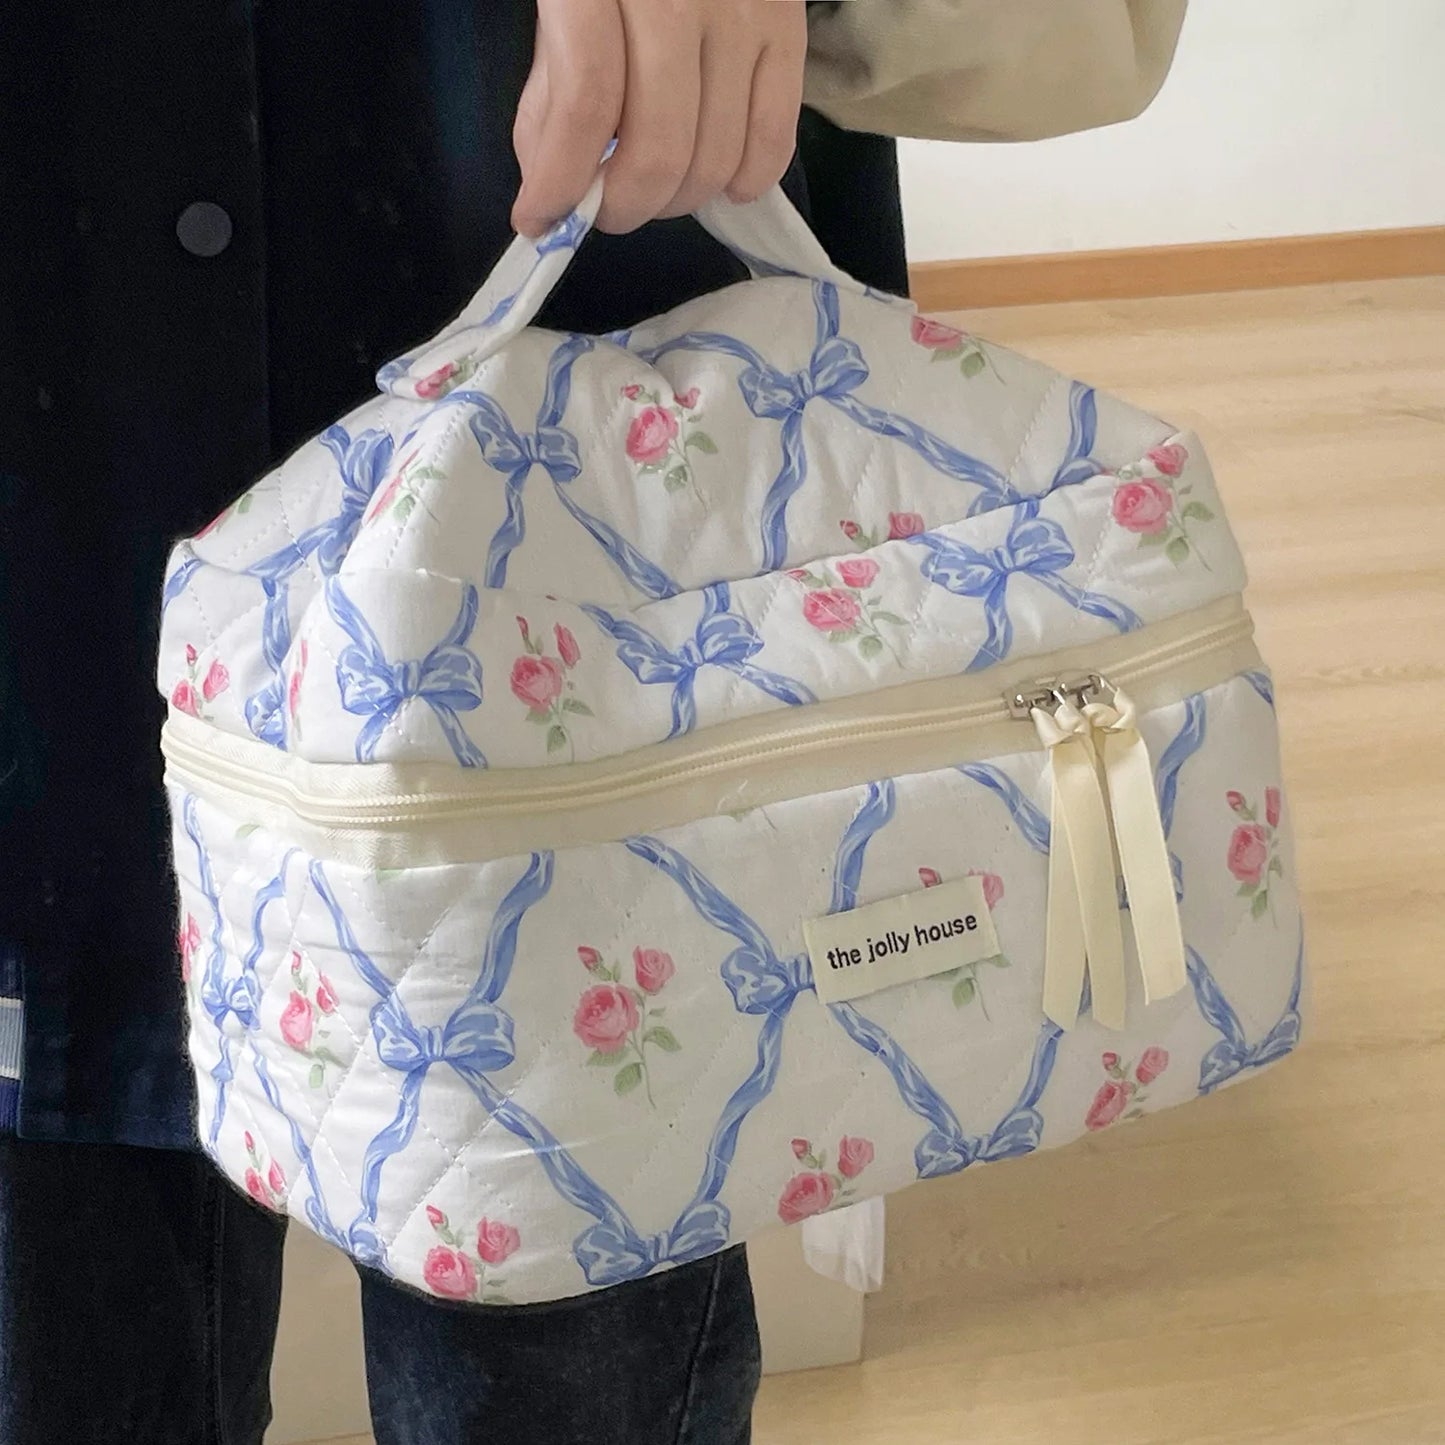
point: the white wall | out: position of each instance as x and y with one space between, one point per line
1281 117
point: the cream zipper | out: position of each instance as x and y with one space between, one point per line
418 813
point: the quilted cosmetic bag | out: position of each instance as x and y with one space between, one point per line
632 790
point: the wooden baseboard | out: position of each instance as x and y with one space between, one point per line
1178 270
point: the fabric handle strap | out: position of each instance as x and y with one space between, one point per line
767 235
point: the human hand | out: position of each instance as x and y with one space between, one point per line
702 95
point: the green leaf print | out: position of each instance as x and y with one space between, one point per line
892 617
597 1059
1153 539
676 479
870 646
973 364
628 1079
245 830
556 738
317 1076
580 708
663 1038
405 507
244 505
1177 551
1246 889
1198 512
1261 902
963 992
703 442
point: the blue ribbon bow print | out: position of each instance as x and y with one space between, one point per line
722 639
1234 1053
833 374
767 985
1035 548
362 462
448 679
515 454
474 1042
224 996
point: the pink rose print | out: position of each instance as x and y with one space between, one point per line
654 968
841 607
496 1242
1169 459
1253 852
851 530
904 524
651 434
438 382
265 1184
217 681
1152 1063
191 693
934 334
402 494
854 1156
312 1001
662 436
293 689
947 343
183 698
537 681
605 1017
831 610
1143 506
858 572
1248 852
1109 1104
622 1025
818 1188
804 1195
992 887
966 983
567 648
190 945
543 685
449 1273
1121 1095
297 1021
1158 509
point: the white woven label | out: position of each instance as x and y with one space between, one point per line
900 939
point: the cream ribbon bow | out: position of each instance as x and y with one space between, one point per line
1105 819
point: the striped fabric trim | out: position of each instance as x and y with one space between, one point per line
12 1029
12 1032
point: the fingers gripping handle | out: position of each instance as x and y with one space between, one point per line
767 235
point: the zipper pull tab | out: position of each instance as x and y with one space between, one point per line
1142 848
1083 931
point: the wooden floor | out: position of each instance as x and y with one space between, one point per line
1268 1265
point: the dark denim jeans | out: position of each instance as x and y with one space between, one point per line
138 1303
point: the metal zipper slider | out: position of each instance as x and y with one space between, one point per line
1049 693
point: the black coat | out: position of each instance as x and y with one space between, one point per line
353 165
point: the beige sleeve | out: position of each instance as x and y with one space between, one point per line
988 69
